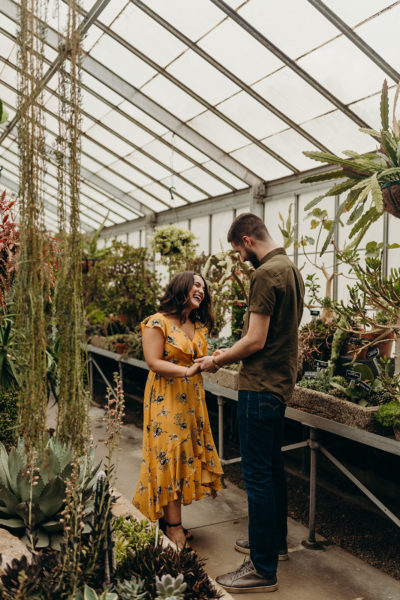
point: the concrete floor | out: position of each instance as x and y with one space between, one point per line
329 574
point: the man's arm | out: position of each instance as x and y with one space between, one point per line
252 342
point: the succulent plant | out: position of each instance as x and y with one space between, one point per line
132 589
90 594
23 579
170 588
32 495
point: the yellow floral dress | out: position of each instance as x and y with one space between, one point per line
179 455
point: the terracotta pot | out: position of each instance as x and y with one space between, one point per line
396 433
391 197
121 347
385 346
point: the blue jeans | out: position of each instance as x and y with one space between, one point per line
261 417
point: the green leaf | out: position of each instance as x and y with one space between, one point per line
333 226
314 202
390 148
7 499
372 132
23 486
337 174
12 523
385 106
324 157
42 539
53 464
52 497
338 189
89 594
376 194
51 526
15 465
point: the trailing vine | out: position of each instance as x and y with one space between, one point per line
32 283
68 314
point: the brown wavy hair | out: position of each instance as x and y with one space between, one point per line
175 300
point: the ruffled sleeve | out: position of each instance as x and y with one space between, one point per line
155 321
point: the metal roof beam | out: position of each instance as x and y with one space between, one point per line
217 65
289 62
88 20
356 39
197 97
217 204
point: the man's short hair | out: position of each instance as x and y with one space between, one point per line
247 224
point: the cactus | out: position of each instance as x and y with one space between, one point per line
337 343
131 590
170 588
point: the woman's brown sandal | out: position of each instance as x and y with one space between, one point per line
172 540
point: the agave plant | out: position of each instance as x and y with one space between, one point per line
366 176
90 594
32 492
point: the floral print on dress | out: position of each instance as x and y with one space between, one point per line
179 456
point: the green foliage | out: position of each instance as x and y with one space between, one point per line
8 415
388 414
23 580
365 175
32 491
170 588
3 113
315 341
149 560
90 594
121 283
132 589
175 246
287 228
89 244
132 534
8 370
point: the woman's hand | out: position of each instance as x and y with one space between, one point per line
193 370
219 351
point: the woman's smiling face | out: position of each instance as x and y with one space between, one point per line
196 293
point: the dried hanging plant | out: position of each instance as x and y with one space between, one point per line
32 283
68 314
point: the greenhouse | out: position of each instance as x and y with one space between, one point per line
199 274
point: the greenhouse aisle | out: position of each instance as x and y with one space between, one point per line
330 574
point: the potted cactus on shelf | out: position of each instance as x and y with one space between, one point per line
374 175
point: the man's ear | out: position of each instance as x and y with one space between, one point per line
247 241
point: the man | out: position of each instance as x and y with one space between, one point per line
268 351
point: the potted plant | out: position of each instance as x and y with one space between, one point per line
388 415
374 175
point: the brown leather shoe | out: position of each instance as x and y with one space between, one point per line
246 580
244 546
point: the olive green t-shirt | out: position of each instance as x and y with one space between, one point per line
276 289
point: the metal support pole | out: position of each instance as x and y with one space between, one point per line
311 542
91 382
121 375
221 402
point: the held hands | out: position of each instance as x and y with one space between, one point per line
193 370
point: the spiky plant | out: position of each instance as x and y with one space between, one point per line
365 175
170 588
149 560
132 589
25 579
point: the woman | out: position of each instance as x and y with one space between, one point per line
180 462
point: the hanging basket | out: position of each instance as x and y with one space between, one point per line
391 197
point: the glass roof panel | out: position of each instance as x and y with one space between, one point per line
224 174
369 109
10 75
206 181
344 70
338 133
142 117
6 45
117 58
94 150
103 90
260 162
109 140
142 31
371 32
184 189
8 96
146 164
159 192
137 178
282 24
118 182
8 24
203 78
233 47
91 38
93 106
127 129
187 148
355 12
251 115
147 200
194 19
166 155
110 12
283 87
291 145
219 132
172 98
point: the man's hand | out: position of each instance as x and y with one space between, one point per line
206 364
